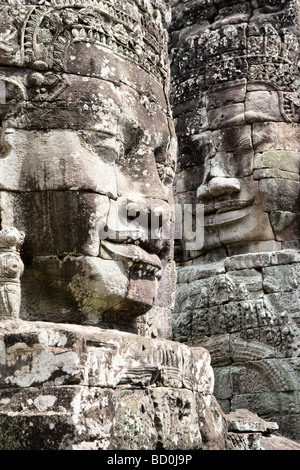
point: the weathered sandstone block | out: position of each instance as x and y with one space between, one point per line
87 388
87 159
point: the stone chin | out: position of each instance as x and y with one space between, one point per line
106 290
90 290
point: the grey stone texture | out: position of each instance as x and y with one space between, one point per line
86 128
235 88
75 387
246 431
88 149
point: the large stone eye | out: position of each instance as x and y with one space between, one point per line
11 266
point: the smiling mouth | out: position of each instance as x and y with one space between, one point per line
232 205
132 254
227 212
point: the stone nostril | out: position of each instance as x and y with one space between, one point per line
203 192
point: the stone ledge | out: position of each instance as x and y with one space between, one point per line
244 421
41 353
85 388
260 260
247 431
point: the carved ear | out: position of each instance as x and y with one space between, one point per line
12 88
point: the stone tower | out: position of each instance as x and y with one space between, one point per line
235 76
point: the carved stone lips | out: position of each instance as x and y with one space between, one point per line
232 205
131 253
227 212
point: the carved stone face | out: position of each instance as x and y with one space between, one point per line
88 154
232 200
236 104
251 190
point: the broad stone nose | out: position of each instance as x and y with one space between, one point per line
217 182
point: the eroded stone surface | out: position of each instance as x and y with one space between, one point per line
87 157
87 388
278 443
246 316
246 431
235 99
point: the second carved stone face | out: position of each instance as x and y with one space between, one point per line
236 106
250 188
231 196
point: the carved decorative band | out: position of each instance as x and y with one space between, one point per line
49 29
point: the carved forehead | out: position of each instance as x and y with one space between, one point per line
44 101
233 51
